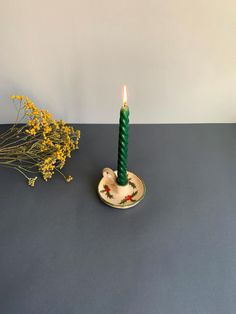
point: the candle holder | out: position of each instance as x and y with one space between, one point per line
119 196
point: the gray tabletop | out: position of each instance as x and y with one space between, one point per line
65 252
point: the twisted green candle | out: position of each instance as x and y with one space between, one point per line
122 178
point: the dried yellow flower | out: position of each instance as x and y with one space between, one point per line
31 181
69 178
43 143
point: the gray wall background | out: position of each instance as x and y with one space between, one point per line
178 59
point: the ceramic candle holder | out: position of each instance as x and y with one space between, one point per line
119 196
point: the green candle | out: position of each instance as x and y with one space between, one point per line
122 178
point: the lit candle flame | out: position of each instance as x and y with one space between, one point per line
125 96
